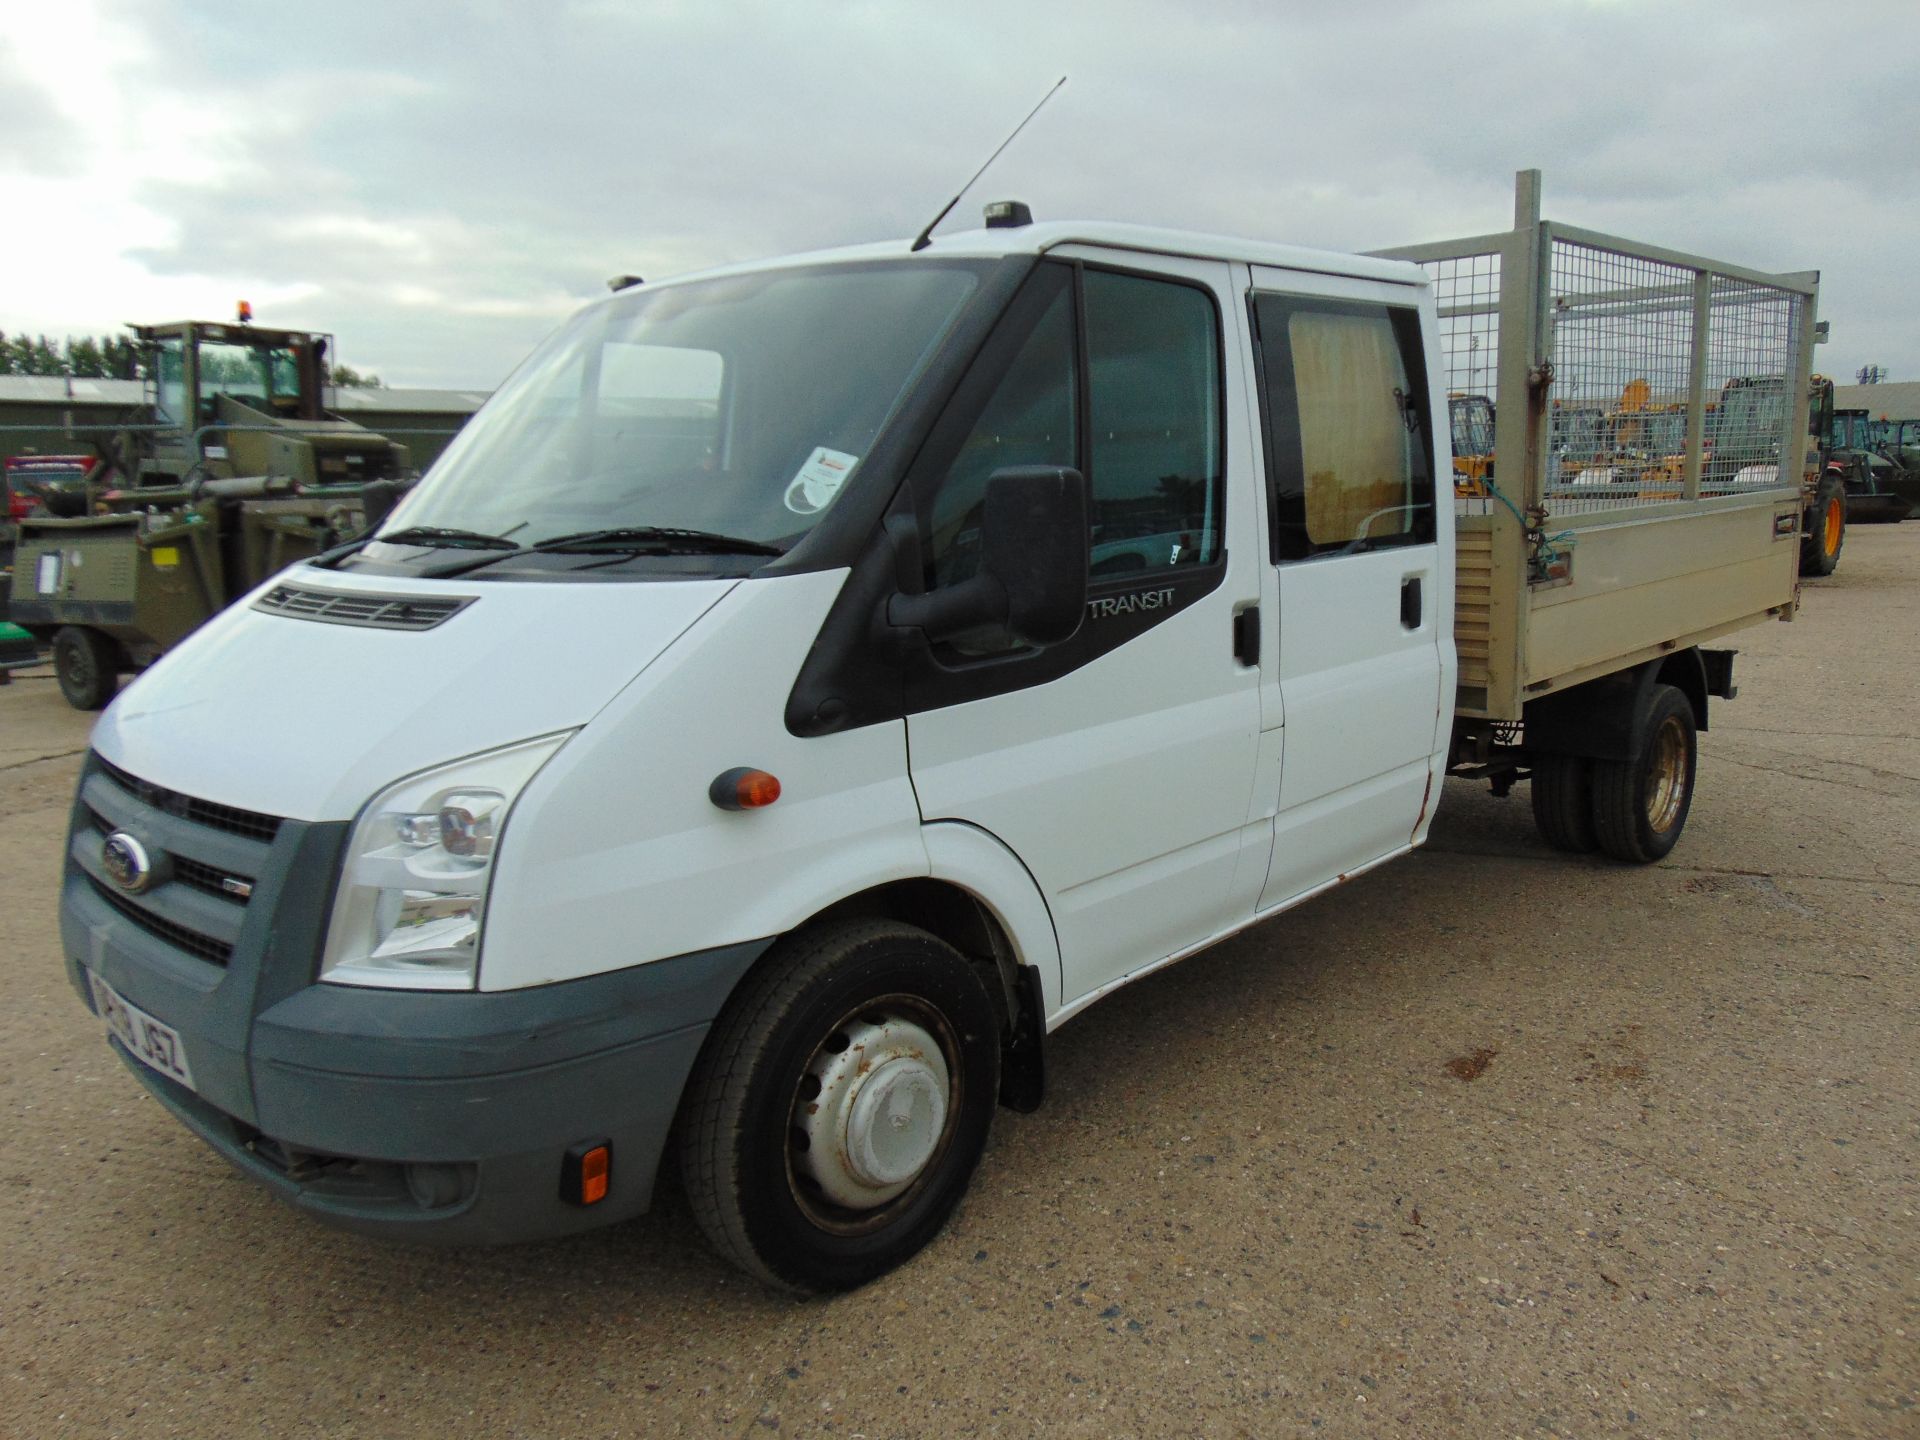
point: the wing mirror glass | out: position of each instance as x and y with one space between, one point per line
1031 586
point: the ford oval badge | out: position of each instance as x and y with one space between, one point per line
125 859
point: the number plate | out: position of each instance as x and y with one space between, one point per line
146 1039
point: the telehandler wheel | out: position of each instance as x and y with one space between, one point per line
87 665
840 1104
1820 550
1640 805
1563 802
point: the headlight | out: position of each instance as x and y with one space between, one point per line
413 889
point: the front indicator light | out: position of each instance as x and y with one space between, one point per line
413 888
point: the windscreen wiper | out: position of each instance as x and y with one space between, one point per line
442 538
657 539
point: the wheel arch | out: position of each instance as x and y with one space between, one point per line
983 902
1605 719
1686 671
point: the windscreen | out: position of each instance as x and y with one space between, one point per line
1752 416
249 372
741 405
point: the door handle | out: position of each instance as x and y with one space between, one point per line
1246 635
1410 602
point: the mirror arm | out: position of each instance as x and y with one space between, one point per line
953 609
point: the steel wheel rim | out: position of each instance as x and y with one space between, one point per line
74 667
1831 538
1667 775
825 1165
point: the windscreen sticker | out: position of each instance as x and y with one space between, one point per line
819 480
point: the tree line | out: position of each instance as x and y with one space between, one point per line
110 357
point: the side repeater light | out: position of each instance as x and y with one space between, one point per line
743 788
586 1173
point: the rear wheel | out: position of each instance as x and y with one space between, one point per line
1640 804
1820 550
840 1104
1563 802
87 665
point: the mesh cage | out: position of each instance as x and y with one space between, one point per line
1621 333
1467 290
1622 351
1623 329
1754 331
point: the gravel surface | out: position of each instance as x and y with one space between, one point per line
1488 1142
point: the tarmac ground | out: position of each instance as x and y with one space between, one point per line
1490 1142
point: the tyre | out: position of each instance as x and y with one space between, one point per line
1827 532
840 1104
87 665
1640 804
1563 802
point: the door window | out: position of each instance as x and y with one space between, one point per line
170 382
1154 451
1349 441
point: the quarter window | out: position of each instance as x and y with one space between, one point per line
1028 420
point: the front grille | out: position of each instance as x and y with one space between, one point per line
212 879
230 818
202 852
193 942
378 612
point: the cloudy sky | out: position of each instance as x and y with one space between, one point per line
438 184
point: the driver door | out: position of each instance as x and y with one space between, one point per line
1117 765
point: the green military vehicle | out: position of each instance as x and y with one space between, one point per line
242 473
1879 489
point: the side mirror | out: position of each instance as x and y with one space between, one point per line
377 499
1032 581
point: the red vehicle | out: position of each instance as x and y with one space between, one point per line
30 479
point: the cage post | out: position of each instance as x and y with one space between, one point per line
1793 445
1697 382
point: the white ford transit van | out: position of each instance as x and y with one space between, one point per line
801 688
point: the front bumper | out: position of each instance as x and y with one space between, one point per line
438 1117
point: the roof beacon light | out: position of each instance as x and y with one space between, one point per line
243 312
1008 215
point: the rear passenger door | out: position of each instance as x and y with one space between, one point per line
1363 587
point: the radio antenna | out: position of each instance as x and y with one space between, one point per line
925 238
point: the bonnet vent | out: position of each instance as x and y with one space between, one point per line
376 612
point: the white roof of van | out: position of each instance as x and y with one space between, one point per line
1039 238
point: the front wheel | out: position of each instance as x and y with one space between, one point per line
1640 804
840 1104
87 665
